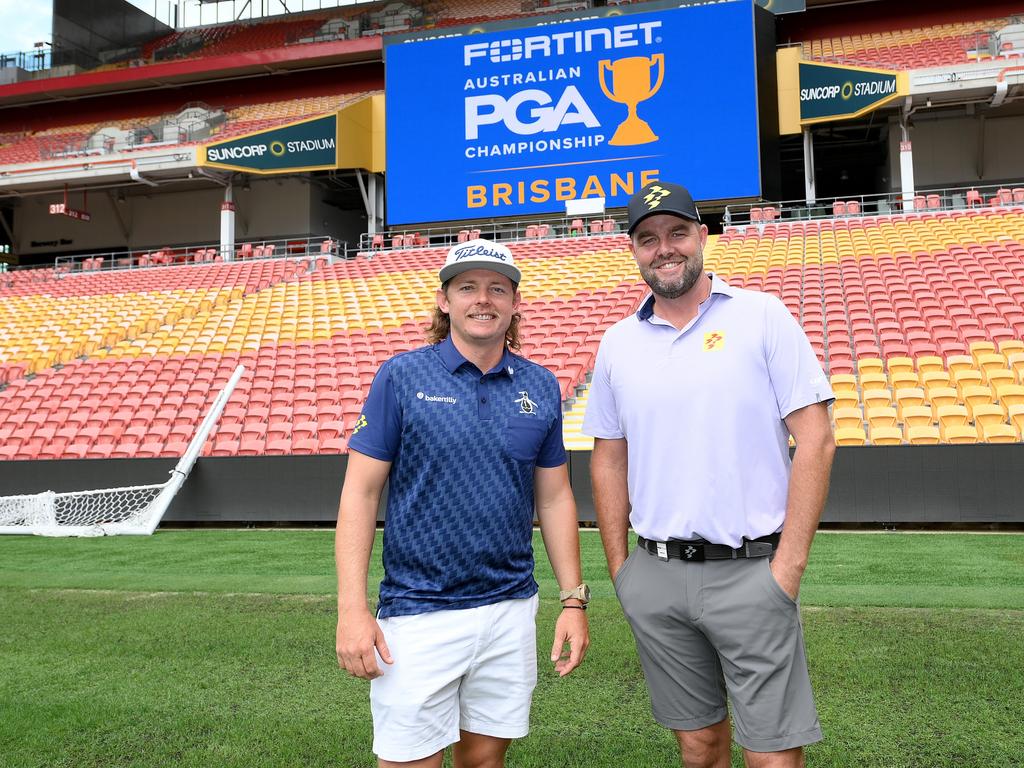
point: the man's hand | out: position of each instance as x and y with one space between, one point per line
358 635
570 629
788 577
615 567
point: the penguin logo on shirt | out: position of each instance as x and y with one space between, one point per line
526 405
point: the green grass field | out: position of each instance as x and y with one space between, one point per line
216 648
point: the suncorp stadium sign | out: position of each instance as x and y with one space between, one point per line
522 120
305 145
831 91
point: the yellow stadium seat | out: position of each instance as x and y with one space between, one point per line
885 435
958 363
988 413
870 365
943 396
958 434
925 435
1015 362
883 416
999 377
909 396
952 414
874 380
845 418
875 398
917 416
850 436
976 394
1011 346
979 348
990 361
846 399
1010 394
966 377
931 379
843 382
904 379
999 433
927 363
900 365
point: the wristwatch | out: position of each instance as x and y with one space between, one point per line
581 593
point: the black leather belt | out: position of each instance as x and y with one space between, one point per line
700 550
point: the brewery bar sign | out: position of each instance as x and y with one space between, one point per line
305 145
523 120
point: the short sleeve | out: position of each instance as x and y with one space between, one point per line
601 418
378 430
552 450
796 375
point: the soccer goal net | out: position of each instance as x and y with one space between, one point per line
109 511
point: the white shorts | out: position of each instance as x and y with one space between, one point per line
473 669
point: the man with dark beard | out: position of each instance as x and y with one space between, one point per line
692 404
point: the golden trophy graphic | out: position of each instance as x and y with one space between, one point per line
631 84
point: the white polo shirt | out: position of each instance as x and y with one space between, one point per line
702 413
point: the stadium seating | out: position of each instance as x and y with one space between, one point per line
74 139
142 354
917 318
926 46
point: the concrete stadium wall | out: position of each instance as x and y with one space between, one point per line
954 151
962 485
162 218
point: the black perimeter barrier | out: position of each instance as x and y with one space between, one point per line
875 485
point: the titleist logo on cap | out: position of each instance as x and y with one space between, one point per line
468 251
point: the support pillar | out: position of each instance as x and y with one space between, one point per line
227 226
810 194
906 164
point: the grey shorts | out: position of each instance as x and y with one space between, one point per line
704 629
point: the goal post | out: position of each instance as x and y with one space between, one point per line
131 510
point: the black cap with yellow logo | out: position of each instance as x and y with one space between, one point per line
661 197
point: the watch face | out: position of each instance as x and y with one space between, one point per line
586 592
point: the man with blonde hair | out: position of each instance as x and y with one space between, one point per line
468 435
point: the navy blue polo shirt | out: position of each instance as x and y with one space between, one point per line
463 447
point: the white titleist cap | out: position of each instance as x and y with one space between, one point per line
480 254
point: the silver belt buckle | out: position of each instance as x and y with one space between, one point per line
662 550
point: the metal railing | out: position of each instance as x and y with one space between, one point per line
444 236
926 200
308 247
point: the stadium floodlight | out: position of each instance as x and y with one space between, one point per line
134 510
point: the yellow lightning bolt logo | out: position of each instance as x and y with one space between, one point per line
654 197
713 341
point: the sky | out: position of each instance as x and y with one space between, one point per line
24 23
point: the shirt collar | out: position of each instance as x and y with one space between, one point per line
718 285
453 359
